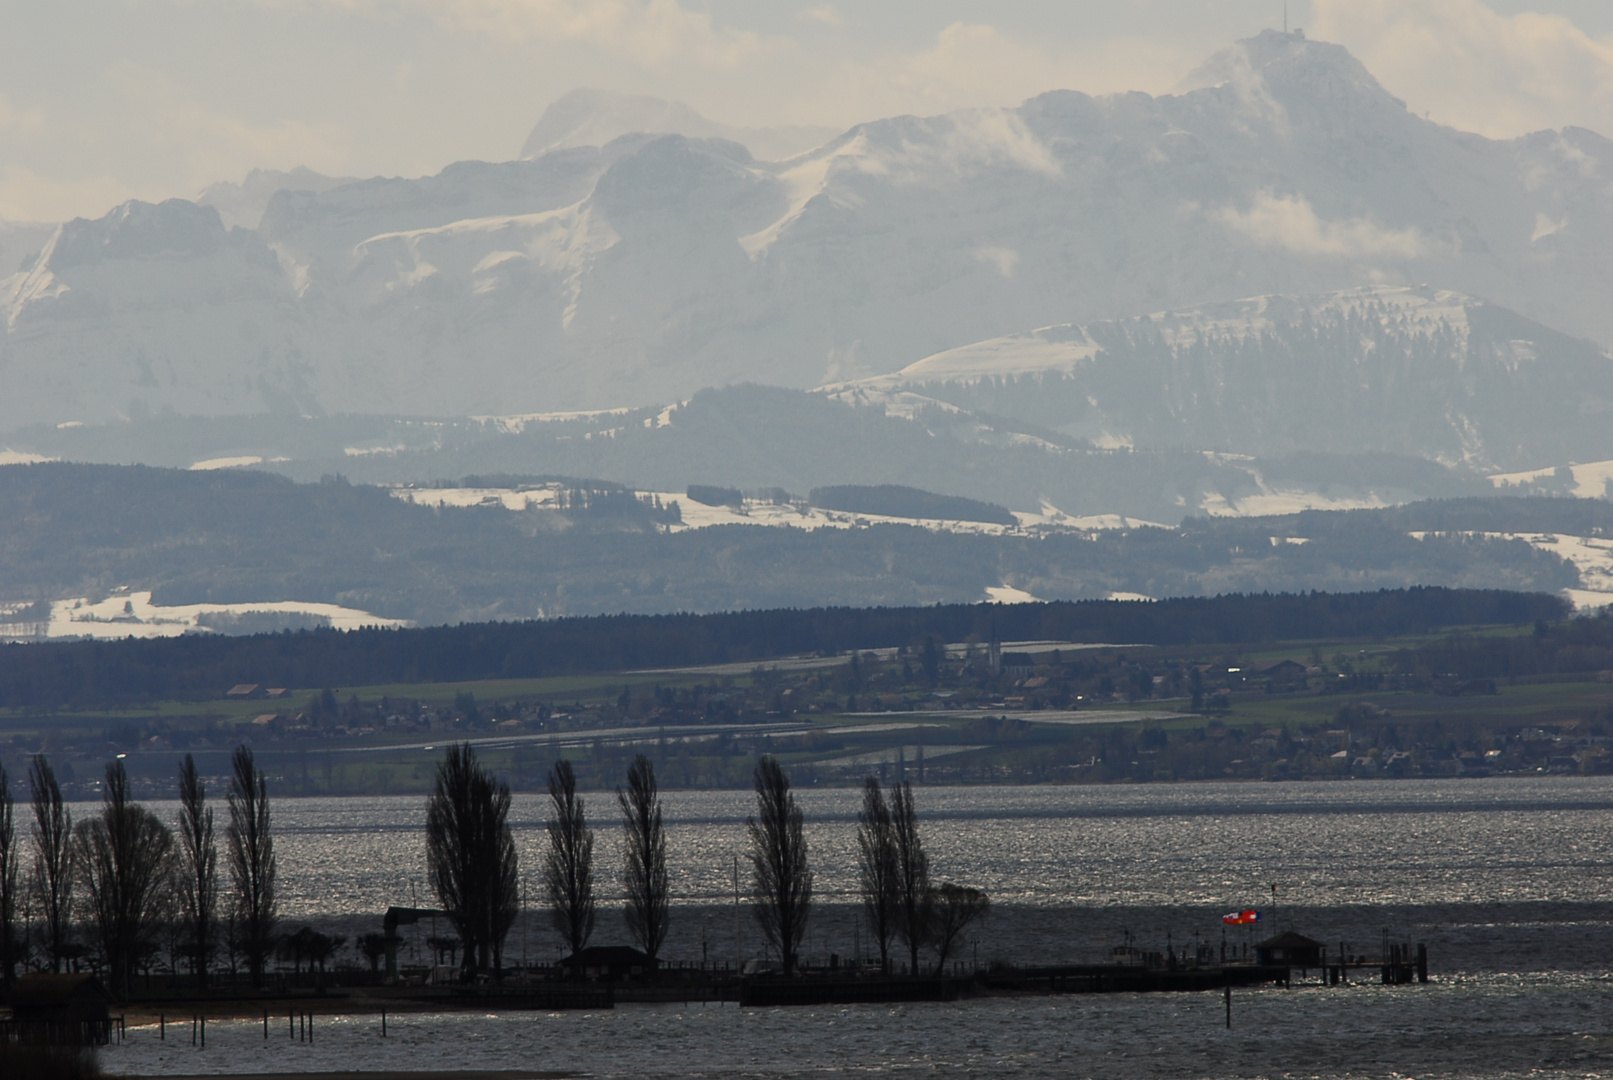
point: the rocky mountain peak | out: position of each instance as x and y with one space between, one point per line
1293 71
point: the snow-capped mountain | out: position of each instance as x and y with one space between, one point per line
1401 370
636 272
153 308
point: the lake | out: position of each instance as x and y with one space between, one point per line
1506 880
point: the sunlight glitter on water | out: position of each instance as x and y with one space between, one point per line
1492 1026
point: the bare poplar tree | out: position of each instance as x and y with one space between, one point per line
124 854
53 858
781 879
9 859
470 856
198 880
568 869
251 862
644 877
876 868
912 874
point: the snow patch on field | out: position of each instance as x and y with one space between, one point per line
800 516
1007 594
1272 501
509 498
516 423
133 614
1592 556
226 463
1590 479
18 457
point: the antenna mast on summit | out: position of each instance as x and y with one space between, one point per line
1285 16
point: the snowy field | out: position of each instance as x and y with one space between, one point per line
127 614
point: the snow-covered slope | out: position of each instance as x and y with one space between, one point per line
640 271
20 243
1402 370
153 308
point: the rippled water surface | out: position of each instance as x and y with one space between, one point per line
1412 842
1507 880
1488 1027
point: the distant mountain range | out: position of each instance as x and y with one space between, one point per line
1276 290
640 271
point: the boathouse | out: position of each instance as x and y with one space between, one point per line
1289 950
608 963
60 1009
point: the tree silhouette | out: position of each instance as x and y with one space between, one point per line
568 870
9 859
912 874
781 879
251 862
198 879
953 908
124 853
470 856
644 877
53 858
876 868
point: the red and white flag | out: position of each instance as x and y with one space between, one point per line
1241 918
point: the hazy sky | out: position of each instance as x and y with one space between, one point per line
103 100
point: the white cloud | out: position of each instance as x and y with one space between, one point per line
1002 259
826 14
1290 223
1467 66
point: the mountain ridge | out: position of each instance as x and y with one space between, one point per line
1405 369
638 272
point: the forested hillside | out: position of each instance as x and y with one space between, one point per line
244 537
83 674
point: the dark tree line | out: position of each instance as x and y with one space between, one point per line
120 877
894 878
123 875
473 865
199 666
